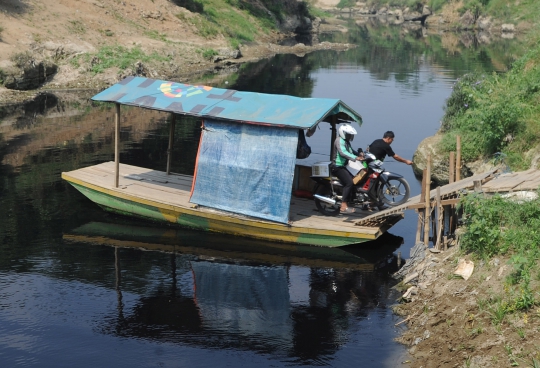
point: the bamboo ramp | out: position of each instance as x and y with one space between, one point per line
448 194
443 200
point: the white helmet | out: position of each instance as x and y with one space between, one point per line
347 132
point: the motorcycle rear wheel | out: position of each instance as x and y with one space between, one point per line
326 209
395 192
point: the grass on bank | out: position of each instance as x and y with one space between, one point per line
116 56
239 21
496 113
495 226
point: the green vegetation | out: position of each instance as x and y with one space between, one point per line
497 112
116 56
155 35
499 226
208 53
77 27
239 21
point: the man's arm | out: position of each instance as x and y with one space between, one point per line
400 159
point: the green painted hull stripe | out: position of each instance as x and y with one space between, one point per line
133 209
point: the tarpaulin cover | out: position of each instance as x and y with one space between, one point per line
246 169
224 104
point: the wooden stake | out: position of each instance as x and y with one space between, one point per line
171 141
445 242
439 219
477 186
433 226
117 145
451 220
333 124
421 212
452 168
458 158
427 210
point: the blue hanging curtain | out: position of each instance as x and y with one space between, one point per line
246 169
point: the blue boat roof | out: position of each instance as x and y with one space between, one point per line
226 104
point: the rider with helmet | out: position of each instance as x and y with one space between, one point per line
343 153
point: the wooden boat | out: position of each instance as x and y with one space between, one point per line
246 169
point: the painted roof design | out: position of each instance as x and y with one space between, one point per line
225 104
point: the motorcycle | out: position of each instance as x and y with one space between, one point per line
372 184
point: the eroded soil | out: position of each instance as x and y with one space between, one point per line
62 29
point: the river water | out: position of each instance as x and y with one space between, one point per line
80 287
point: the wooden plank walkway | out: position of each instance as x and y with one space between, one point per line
492 182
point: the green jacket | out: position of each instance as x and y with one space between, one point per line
344 152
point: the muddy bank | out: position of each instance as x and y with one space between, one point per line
450 320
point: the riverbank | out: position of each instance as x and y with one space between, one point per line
475 304
92 45
446 326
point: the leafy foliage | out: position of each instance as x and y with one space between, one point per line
238 21
497 226
209 53
495 112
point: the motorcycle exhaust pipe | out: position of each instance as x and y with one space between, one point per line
325 199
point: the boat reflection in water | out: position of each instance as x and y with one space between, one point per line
290 301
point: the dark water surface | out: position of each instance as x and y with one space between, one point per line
82 288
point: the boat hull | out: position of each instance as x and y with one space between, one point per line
128 205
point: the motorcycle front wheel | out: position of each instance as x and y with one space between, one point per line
326 209
395 192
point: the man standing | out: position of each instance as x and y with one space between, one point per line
381 148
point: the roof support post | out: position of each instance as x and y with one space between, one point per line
171 140
333 128
117 145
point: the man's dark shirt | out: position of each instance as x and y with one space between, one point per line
380 149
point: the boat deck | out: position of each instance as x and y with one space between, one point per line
174 190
